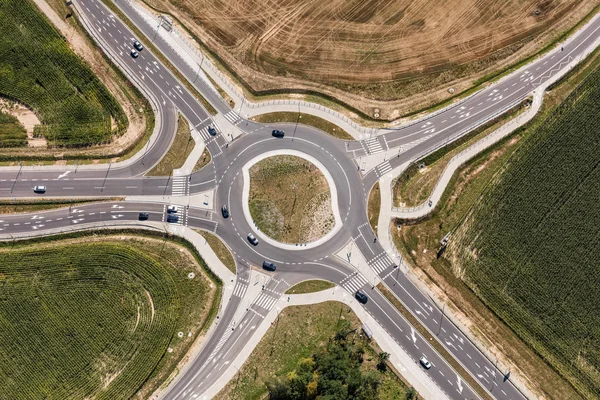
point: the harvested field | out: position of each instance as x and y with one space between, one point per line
97 316
290 199
377 49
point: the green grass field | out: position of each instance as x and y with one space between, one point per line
38 68
12 133
300 332
529 247
95 317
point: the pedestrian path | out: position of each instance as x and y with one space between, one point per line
180 186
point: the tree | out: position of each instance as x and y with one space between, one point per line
383 357
279 389
411 394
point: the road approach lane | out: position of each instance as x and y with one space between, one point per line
410 142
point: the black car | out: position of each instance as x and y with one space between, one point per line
225 211
252 239
172 218
361 296
278 133
269 266
138 46
212 131
143 216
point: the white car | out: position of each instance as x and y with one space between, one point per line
425 362
172 209
39 189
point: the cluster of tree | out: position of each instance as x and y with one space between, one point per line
332 373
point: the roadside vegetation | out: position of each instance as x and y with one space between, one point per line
528 248
290 200
38 68
12 133
374 207
220 249
98 316
203 160
316 351
310 286
419 241
306 119
26 206
180 149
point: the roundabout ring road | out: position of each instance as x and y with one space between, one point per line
223 176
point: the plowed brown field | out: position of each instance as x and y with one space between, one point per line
379 49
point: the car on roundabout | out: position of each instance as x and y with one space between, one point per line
252 239
361 296
172 218
143 216
224 211
269 266
212 131
172 209
39 189
134 53
278 133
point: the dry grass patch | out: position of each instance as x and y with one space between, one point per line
374 207
311 286
180 149
203 160
305 119
290 200
220 249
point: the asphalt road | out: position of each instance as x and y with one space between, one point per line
342 160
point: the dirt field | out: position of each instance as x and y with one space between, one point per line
379 49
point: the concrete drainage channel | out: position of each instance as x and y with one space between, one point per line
332 189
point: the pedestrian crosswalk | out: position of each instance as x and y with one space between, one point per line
240 288
373 145
204 133
233 117
180 186
265 301
380 262
353 282
383 168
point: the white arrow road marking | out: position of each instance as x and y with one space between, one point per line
116 216
63 175
36 217
459 384
37 226
413 335
117 206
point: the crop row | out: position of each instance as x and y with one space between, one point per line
70 321
38 68
530 247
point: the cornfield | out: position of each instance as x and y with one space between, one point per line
89 320
530 247
38 68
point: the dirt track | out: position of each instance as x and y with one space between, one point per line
379 49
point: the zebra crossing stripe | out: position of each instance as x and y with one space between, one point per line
384 168
232 117
239 290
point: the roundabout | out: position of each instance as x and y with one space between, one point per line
351 168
